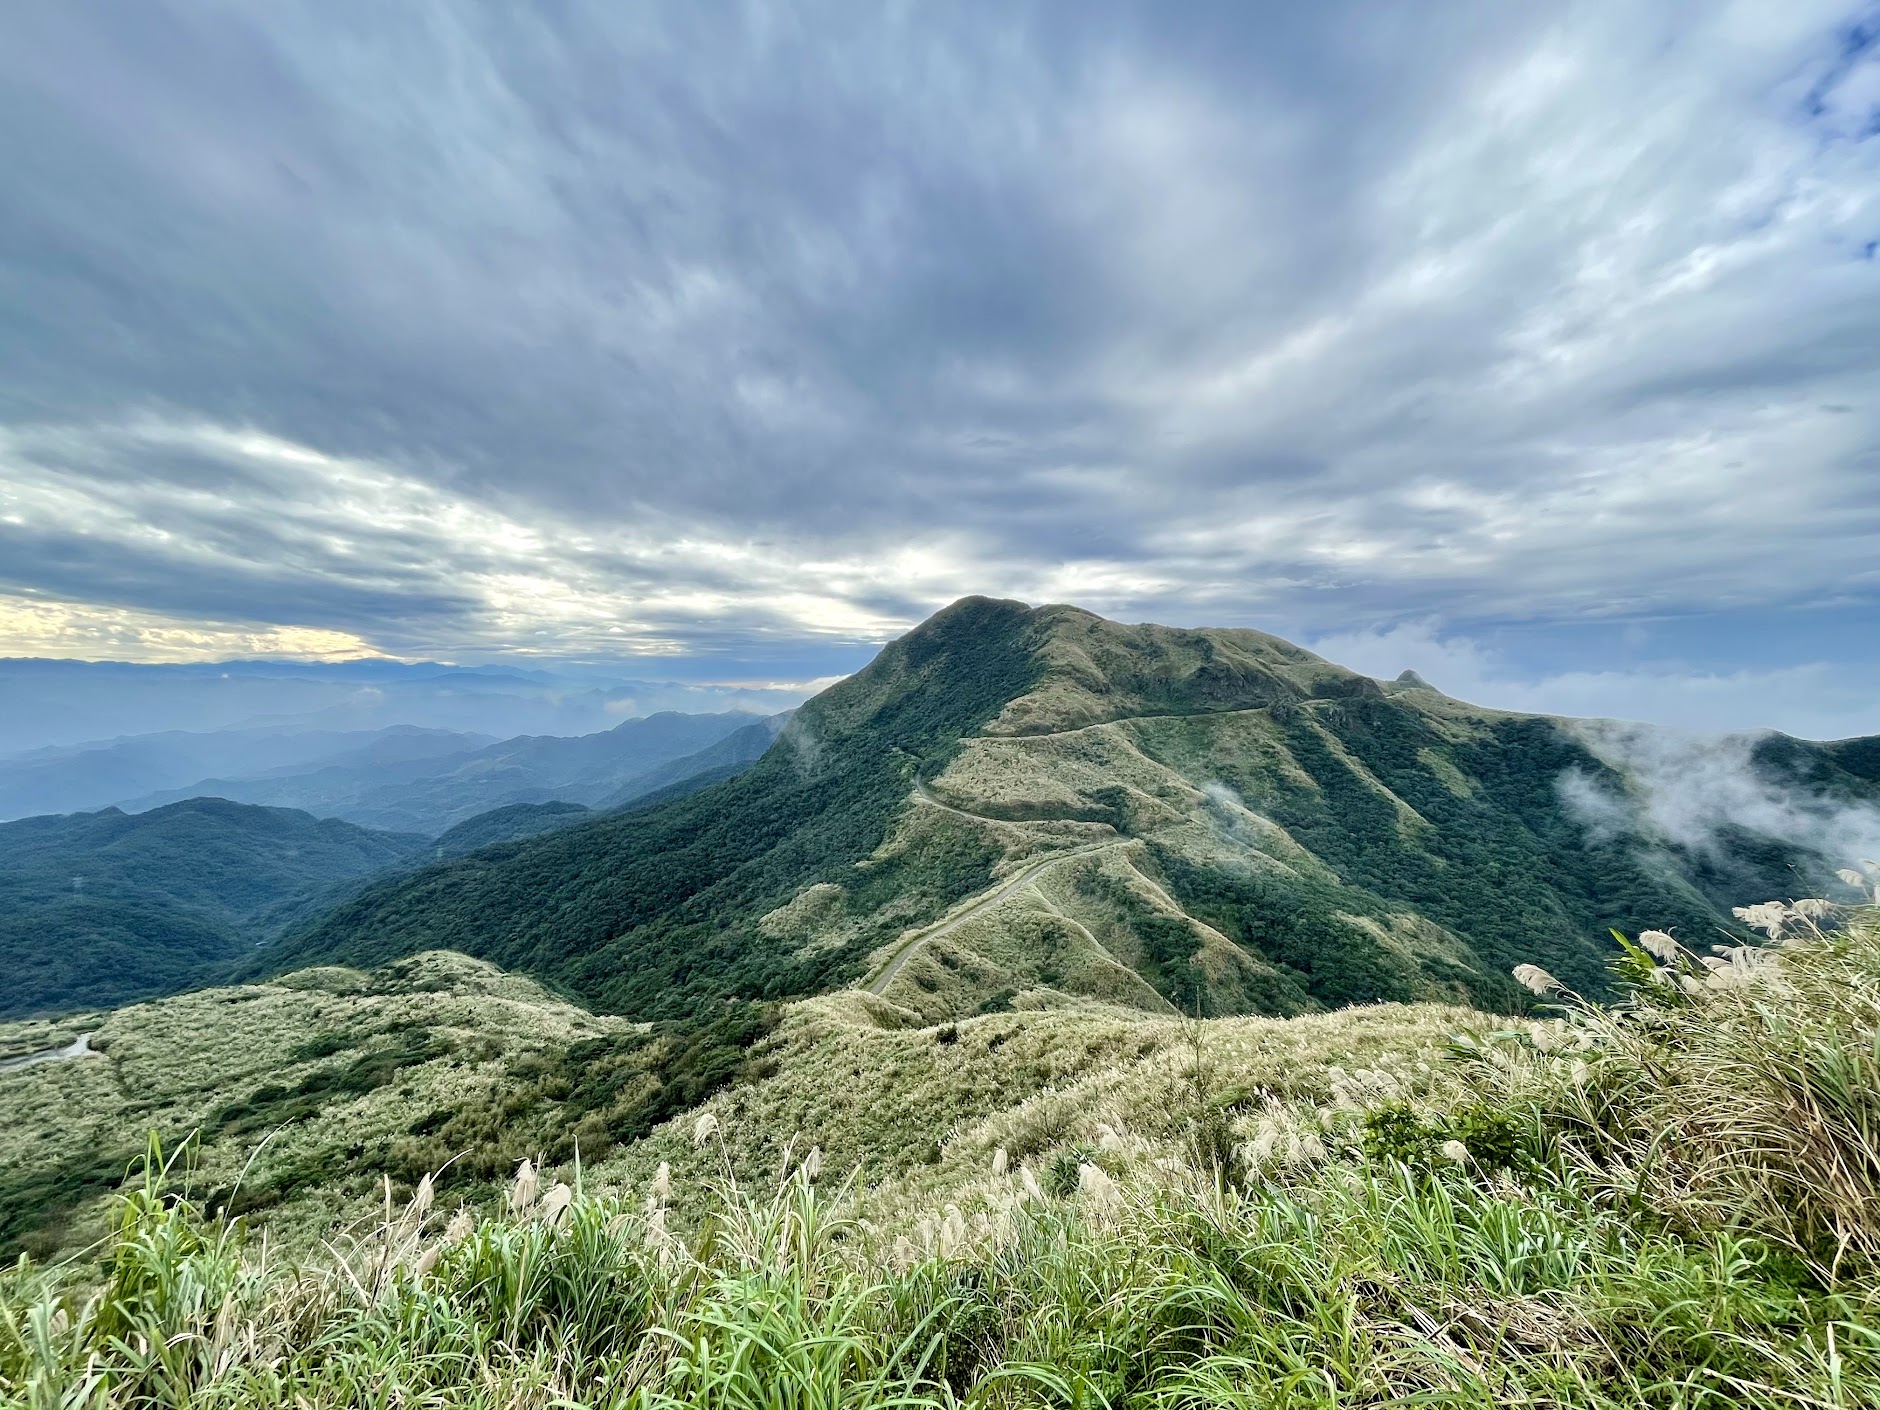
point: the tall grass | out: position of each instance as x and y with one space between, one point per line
1738 1089
1680 1213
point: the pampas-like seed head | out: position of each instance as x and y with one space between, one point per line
951 1236
1001 1162
462 1224
704 1129
662 1183
1264 1143
528 1184
555 1204
421 1199
1536 980
1770 917
812 1164
1456 1151
1660 946
1033 1190
1096 1186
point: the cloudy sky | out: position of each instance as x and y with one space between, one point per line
1535 346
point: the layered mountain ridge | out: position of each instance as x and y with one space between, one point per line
1030 807
107 906
434 793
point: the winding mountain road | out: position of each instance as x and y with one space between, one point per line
1019 879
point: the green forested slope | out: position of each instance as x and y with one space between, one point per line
653 913
510 824
1213 821
100 908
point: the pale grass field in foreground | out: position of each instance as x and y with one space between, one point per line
1674 1201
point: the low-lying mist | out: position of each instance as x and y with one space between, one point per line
1692 791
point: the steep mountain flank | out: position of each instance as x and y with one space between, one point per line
1025 807
655 912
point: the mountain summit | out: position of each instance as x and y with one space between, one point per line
1033 806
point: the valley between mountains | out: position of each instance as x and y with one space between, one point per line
975 895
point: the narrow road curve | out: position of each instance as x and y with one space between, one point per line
1023 877
80 1047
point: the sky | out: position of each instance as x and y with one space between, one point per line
1532 347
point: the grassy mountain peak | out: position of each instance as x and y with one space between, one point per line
1015 806
1092 670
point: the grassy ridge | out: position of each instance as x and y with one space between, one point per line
1308 836
296 1099
1568 1217
655 913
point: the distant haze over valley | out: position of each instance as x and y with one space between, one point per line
1144 815
60 703
403 778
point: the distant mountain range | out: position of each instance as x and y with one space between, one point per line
177 764
55 703
101 908
399 779
1024 806
435 793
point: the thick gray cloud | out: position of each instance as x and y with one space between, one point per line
457 329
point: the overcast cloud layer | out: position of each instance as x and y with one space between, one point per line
1536 341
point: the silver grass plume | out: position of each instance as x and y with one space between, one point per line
1537 980
528 1184
556 1204
1097 1187
1770 917
462 1224
1660 946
